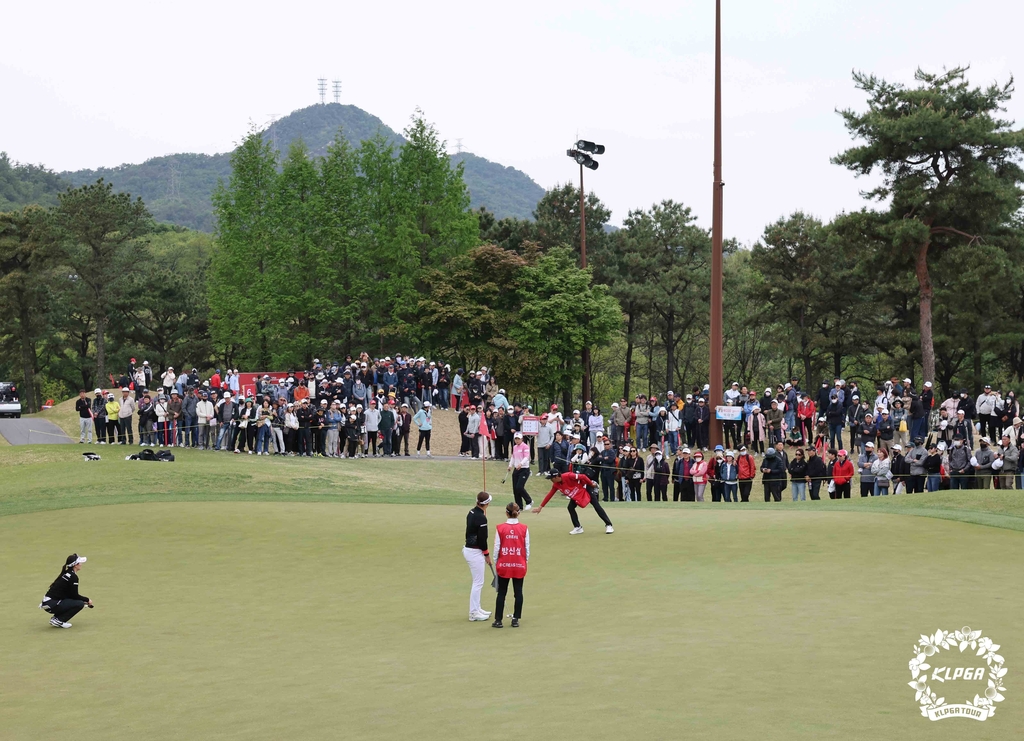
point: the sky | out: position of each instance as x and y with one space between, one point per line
100 84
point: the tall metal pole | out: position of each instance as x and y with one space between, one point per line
583 264
715 367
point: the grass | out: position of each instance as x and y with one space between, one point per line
261 598
47 477
235 620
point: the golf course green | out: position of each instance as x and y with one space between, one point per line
268 599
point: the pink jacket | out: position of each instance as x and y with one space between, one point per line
699 471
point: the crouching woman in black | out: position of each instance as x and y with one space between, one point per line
62 599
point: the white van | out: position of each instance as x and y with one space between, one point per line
10 405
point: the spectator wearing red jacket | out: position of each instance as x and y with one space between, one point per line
577 488
842 475
747 467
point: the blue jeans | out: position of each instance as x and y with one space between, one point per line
933 482
641 435
673 441
835 436
880 490
443 398
799 489
225 432
730 493
918 428
263 439
192 431
790 418
958 481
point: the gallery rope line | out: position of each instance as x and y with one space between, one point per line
576 468
51 434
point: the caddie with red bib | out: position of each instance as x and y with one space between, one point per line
579 490
512 548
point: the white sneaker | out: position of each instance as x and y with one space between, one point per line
418 454
429 455
527 508
609 530
478 617
576 531
58 624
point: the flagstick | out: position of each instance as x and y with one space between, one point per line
483 458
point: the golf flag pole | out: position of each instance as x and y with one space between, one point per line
484 434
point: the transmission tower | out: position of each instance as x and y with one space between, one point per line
337 90
458 145
272 128
321 83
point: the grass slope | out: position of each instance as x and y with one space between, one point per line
275 620
49 477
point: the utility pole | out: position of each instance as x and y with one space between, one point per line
583 264
715 380
582 154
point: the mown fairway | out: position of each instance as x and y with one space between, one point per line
275 619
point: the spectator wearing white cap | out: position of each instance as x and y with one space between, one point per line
865 461
99 415
519 465
125 413
424 421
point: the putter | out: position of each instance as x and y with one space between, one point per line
504 477
494 581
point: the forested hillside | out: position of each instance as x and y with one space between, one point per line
23 185
178 188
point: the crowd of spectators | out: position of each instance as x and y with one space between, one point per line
899 439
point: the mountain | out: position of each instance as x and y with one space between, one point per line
22 185
177 187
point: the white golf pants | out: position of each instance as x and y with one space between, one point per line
475 558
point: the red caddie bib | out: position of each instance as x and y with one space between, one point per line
511 563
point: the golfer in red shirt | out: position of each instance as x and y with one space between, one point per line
512 547
576 487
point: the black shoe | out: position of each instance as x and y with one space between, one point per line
515 622
497 624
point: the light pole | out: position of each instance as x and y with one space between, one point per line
582 154
715 379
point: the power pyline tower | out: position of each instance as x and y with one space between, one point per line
272 128
458 145
321 84
336 84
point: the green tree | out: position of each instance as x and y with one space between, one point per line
394 260
436 202
560 314
24 310
949 168
98 234
669 258
165 314
558 219
796 267
470 309
247 264
345 234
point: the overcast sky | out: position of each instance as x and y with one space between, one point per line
99 84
